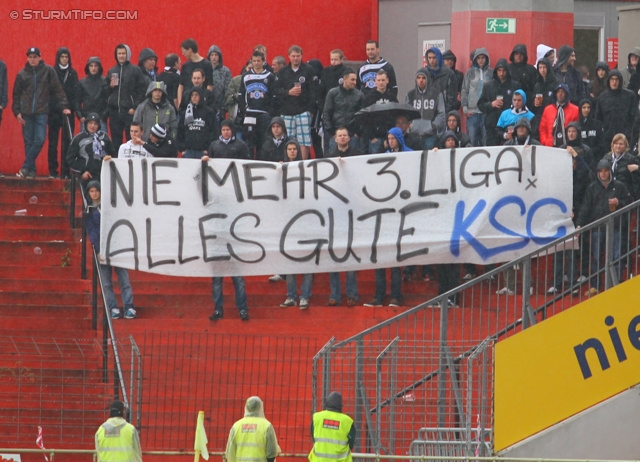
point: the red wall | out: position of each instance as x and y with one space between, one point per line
235 27
532 28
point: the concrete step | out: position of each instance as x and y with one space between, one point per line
51 253
25 196
35 222
10 182
40 273
33 210
39 298
49 286
39 235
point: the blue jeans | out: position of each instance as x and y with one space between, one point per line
305 288
428 142
125 286
476 129
192 154
351 286
381 283
239 287
598 248
34 132
373 147
565 262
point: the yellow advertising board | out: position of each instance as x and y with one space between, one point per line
567 363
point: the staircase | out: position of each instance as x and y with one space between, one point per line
43 298
41 292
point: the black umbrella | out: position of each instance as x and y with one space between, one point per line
384 115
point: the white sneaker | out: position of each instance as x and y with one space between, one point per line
276 278
552 290
468 277
581 280
504 291
304 303
288 302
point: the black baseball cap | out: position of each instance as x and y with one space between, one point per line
33 50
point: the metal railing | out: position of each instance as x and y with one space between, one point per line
448 381
108 334
74 187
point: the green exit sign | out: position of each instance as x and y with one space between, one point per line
501 25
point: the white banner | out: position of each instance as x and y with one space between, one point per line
482 205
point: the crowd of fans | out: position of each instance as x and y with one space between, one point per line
278 111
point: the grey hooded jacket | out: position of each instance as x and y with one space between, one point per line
474 80
148 113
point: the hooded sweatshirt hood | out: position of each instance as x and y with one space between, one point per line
634 52
604 163
96 60
63 50
397 133
126 47
584 101
280 121
156 86
564 53
603 65
477 52
145 54
445 136
197 90
333 402
298 157
519 48
550 74
230 124
455 114
523 122
448 54
541 51
502 63
565 87
424 71
618 74
524 96
215 48
439 58
578 140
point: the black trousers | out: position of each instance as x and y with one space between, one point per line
57 124
119 123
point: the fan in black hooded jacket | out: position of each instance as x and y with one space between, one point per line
228 148
69 80
579 147
616 109
488 101
197 126
570 74
591 131
522 71
273 148
150 75
93 91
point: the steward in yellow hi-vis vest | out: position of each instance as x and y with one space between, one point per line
252 438
116 439
333 432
